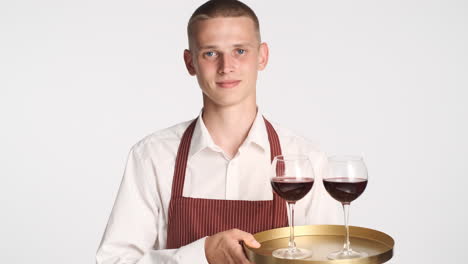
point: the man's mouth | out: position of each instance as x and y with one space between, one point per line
228 83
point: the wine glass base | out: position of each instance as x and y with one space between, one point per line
294 253
345 254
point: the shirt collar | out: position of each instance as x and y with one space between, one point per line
258 133
202 139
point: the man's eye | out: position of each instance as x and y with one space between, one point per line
240 51
210 53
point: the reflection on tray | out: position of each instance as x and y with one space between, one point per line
323 239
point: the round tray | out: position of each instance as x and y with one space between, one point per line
322 240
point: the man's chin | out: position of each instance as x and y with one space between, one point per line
227 102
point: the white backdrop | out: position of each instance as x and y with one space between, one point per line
82 81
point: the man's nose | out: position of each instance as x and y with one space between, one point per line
227 64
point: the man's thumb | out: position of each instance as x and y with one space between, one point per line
251 242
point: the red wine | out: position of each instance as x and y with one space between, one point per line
291 188
345 190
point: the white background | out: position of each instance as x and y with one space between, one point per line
82 81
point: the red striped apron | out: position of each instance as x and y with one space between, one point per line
193 218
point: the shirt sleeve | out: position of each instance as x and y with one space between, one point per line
131 232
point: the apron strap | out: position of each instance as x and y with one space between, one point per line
181 161
279 208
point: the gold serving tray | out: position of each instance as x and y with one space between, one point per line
322 240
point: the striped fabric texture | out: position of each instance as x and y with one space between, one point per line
193 218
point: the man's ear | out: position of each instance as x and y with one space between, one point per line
188 58
263 54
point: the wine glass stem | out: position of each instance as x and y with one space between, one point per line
346 218
292 244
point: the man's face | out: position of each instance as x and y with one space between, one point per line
226 55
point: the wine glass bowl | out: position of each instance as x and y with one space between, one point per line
345 190
346 181
292 178
292 189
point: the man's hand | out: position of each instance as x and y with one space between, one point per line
225 247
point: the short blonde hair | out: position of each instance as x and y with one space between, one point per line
222 8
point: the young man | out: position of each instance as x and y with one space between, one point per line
191 193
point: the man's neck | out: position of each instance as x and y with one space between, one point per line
229 126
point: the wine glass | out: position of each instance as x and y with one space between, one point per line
346 180
292 178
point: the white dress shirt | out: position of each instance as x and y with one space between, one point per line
137 228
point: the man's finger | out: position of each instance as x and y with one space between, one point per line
248 238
